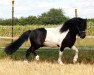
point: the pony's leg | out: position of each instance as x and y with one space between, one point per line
28 52
60 56
36 55
76 54
27 55
32 50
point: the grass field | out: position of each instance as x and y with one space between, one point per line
51 55
11 67
15 65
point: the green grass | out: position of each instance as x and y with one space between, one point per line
51 55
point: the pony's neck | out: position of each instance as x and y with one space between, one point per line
72 29
64 28
72 33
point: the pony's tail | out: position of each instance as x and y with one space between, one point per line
12 47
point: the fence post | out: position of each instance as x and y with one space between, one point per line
76 13
12 17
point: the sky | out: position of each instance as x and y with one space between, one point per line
27 8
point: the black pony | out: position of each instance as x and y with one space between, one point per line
62 36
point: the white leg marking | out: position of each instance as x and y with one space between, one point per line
60 58
37 58
26 61
76 54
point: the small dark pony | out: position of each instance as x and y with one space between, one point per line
62 36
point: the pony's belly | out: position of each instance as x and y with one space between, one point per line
50 44
54 38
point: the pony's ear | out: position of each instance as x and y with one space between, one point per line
86 19
86 22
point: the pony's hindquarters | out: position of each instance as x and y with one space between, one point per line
12 47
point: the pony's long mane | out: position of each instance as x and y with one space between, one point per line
72 23
65 26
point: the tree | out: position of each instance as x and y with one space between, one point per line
53 16
32 20
22 21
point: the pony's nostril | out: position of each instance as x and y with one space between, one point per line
83 36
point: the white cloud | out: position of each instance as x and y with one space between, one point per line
5 2
36 7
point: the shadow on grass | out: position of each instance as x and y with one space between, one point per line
51 55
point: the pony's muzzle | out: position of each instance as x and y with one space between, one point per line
82 34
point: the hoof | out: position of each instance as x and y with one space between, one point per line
74 61
60 62
37 58
26 61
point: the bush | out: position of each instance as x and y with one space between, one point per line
53 16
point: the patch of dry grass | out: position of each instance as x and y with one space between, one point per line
10 67
87 42
19 29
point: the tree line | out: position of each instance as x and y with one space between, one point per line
53 16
